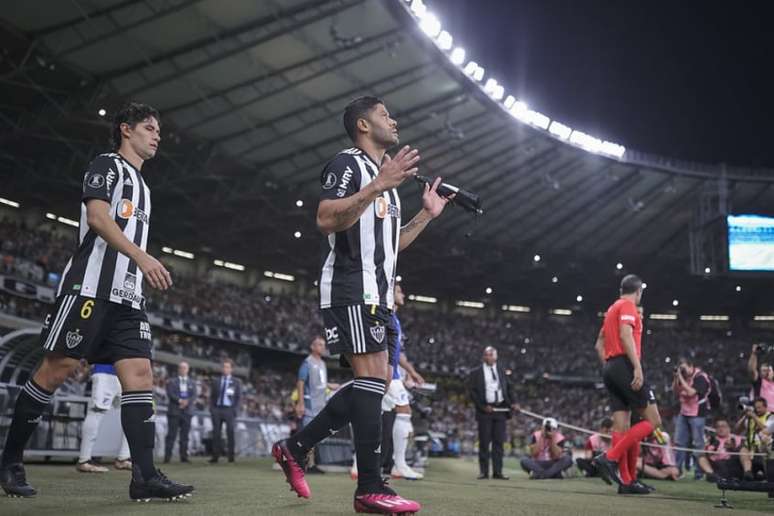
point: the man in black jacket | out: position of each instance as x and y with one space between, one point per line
225 396
490 391
181 392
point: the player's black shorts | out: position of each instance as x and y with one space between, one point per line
359 329
96 329
618 375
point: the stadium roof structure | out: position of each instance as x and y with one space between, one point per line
251 95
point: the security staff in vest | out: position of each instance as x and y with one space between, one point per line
181 393
225 396
490 392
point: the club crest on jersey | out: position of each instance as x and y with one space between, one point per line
378 332
125 209
330 181
73 338
96 181
130 281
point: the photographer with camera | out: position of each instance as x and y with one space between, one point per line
763 377
658 462
756 425
719 463
596 444
548 456
691 386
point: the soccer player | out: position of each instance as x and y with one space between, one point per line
105 388
99 312
360 214
619 347
396 401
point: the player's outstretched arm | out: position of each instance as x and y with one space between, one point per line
98 218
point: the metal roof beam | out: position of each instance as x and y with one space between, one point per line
45 31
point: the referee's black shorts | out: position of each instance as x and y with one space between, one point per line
359 329
618 375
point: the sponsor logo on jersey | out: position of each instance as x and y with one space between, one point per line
330 181
378 332
73 338
96 181
332 335
128 181
126 294
344 184
384 208
130 281
145 331
127 209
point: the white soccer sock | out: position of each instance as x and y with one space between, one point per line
89 433
400 437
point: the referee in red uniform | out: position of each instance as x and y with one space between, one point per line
619 348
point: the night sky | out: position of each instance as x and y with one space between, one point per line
692 80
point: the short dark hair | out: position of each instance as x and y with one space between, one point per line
685 360
630 284
356 110
132 114
762 400
721 418
606 423
227 361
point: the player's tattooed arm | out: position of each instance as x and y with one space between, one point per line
411 231
334 215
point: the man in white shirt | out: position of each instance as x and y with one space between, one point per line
490 391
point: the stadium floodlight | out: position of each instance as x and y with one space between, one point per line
488 290
517 308
554 280
559 130
579 298
422 299
300 203
763 318
739 288
663 317
675 302
714 318
478 75
509 101
279 276
707 270
183 254
219 263
102 112
418 7
536 258
644 285
478 305
68 222
457 56
519 110
297 234
586 141
499 92
50 216
9 202
490 86
445 40
234 266
470 68
430 24
539 120
619 266
398 278
612 149
167 250
560 311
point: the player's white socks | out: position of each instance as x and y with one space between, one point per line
401 431
89 433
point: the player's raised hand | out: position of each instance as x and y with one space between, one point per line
396 170
432 202
154 271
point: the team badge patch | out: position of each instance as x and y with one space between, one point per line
73 338
330 181
378 332
96 181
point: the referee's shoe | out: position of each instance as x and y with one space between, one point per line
608 469
13 480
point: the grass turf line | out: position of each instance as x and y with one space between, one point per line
252 487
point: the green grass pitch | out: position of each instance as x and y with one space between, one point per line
252 487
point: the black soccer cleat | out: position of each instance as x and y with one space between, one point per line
608 469
13 480
635 488
649 487
141 490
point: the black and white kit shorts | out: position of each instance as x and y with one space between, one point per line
618 375
98 330
359 329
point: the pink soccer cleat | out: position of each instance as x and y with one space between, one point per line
385 502
294 471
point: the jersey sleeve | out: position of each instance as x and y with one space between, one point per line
303 372
627 314
340 178
100 179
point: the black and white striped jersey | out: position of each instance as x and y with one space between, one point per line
97 270
359 264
